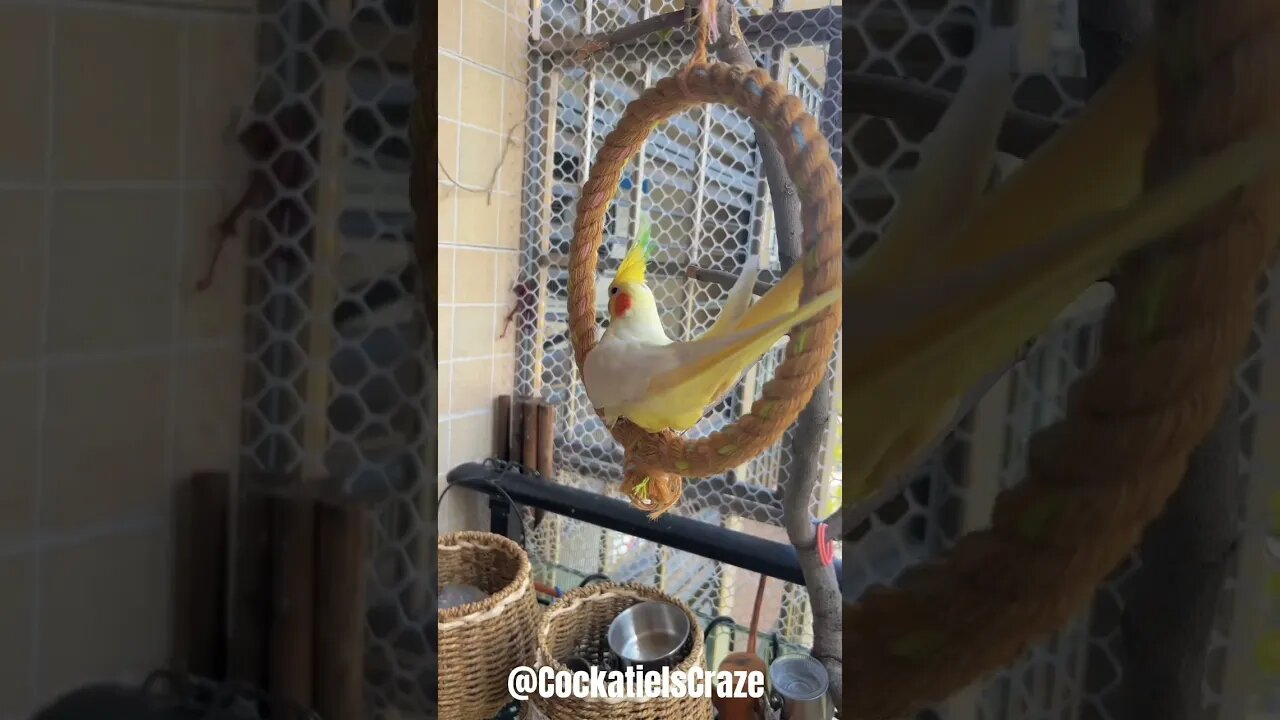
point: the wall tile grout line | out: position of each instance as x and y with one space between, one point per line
53 544
109 185
75 359
150 8
43 542
42 395
177 338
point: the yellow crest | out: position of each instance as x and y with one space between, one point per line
633 266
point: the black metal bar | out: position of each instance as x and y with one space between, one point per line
500 516
726 492
775 559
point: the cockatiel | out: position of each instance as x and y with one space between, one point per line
960 281
638 372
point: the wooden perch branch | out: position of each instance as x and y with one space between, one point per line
818 25
583 48
921 107
726 280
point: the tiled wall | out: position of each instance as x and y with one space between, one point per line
482 59
116 378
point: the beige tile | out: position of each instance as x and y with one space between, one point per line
506 344
470 439
22 244
517 49
470 386
445 317
104 610
511 174
448 76
445 377
17 618
106 432
506 269
509 217
444 274
481 98
518 10
475 332
481 159
504 375
447 150
474 272
208 412
483 33
449 19
514 101
461 511
19 446
216 313
119 122
445 226
219 83
477 219
111 282
442 447
24 85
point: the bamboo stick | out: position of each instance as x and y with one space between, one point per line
529 433
247 654
342 542
206 572
293 598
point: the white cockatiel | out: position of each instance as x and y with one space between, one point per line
638 372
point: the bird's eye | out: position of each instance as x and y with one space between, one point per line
613 291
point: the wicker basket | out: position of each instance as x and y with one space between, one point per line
576 625
481 642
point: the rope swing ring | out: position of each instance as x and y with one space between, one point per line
656 462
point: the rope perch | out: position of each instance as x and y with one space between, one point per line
656 462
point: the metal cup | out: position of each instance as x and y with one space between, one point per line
802 683
650 633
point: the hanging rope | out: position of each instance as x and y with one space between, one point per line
656 462
1098 478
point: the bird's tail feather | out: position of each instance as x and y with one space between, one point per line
738 301
931 343
708 364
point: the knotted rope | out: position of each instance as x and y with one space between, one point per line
1098 478
656 462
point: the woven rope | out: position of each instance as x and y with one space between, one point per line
664 457
1098 478
577 624
481 642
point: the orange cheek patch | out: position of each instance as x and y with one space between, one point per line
621 304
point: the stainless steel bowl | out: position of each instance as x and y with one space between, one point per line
651 634
802 683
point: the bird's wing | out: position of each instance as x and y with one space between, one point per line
737 301
781 300
705 364
955 164
617 372
1093 165
923 344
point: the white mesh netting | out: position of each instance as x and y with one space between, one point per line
336 384
699 179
